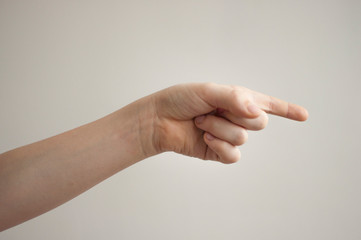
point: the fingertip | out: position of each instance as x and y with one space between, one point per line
305 115
296 112
302 114
199 119
209 136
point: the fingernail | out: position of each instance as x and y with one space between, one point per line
200 119
254 109
209 136
220 110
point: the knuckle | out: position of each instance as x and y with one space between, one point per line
241 137
225 153
206 89
238 88
235 93
264 121
261 122
236 97
208 86
240 97
232 158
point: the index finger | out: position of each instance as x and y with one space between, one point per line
279 107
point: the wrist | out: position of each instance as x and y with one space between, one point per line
137 129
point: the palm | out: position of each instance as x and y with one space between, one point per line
181 105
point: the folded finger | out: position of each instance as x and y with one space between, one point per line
221 151
222 129
257 123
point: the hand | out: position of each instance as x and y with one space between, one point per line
202 120
209 121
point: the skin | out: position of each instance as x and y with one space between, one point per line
202 120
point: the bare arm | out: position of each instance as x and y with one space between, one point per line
41 176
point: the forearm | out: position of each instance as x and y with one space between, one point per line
40 176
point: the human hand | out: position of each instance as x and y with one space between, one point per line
209 121
203 120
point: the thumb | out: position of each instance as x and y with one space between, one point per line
253 110
237 100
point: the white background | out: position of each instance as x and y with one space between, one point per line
66 63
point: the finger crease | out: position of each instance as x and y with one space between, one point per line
270 104
288 110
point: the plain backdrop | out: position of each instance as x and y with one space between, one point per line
67 63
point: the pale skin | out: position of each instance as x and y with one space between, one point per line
202 120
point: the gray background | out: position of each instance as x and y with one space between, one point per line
66 63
